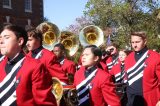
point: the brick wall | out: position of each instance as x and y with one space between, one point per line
18 15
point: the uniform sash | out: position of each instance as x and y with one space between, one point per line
119 77
8 86
112 63
136 72
83 89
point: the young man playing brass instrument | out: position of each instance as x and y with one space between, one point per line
68 66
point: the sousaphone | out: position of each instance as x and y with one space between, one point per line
91 35
70 42
50 34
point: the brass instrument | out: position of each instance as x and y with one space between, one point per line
70 42
57 89
50 34
64 94
91 35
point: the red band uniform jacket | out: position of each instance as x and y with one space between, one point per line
51 63
110 61
69 67
33 84
150 76
102 92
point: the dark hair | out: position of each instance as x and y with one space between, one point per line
141 34
18 31
61 46
35 34
113 44
95 50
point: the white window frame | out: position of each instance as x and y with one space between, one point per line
7 6
30 5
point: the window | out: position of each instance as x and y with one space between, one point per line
7 4
28 5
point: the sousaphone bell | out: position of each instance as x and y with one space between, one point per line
50 34
70 42
91 35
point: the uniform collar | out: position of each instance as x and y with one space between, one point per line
36 51
114 56
140 53
18 57
61 59
89 71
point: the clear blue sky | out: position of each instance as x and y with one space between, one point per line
63 12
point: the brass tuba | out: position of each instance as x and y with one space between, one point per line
70 42
57 89
50 34
91 35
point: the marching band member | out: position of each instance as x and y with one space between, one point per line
48 58
143 73
118 70
23 80
110 57
93 84
68 66
119 75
